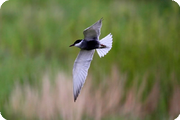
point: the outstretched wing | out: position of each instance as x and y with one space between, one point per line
80 70
93 32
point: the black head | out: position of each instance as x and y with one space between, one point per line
77 41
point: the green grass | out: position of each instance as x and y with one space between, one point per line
35 35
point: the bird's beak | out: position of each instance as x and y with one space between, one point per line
71 45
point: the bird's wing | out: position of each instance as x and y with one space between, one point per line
80 70
93 32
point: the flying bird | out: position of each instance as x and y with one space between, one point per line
87 46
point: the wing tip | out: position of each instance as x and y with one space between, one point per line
76 94
75 97
101 19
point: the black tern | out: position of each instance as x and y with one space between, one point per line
88 45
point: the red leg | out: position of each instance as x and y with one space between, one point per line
102 46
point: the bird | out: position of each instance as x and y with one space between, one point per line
87 46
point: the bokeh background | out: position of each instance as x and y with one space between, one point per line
139 79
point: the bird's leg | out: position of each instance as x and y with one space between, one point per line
102 46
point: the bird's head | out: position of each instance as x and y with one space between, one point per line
77 43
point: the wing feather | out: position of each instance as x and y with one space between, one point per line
80 70
93 32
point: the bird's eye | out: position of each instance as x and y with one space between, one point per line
77 41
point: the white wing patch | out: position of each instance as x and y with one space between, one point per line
80 70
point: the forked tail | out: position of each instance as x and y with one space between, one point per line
106 42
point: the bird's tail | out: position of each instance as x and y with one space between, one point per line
106 43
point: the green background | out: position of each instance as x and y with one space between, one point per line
34 42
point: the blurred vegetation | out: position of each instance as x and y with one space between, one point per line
35 35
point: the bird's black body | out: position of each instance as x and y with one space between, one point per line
89 45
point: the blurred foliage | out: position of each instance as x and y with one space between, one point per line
35 35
